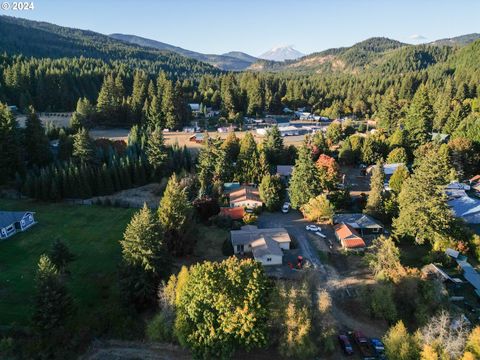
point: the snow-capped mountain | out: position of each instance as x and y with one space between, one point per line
281 53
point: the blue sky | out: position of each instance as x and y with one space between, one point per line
254 26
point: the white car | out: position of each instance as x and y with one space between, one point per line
313 228
286 207
320 234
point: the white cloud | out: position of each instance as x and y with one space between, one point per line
417 37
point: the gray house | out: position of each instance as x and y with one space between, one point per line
12 222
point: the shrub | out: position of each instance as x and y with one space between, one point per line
159 328
249 218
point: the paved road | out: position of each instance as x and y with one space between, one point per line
295 225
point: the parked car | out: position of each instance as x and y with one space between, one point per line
379 347
345 344
313 228
366 349
320 234
286 207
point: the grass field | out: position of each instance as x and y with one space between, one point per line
91 233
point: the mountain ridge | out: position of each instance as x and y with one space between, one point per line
233 61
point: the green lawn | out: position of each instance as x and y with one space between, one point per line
92 234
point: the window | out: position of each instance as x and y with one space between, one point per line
376 230
269 259
239 248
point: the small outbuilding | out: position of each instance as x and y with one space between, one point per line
12 222
245 196
348 237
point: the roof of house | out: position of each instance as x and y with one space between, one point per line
249 234
388 169
229 186
455 185
8 218
469 272
235 213
284 170
357 221
464 206
348 236
265 246
475 178
245 193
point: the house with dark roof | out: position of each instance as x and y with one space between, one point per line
349 237
285 172
266 245
469 273
362 223
245 196
12 222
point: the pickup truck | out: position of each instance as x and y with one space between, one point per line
366 350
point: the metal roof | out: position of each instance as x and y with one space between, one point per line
8 218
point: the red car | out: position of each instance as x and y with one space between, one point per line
345 344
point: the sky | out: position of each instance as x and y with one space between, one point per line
255 26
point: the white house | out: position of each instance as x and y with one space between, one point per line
12 222
266 245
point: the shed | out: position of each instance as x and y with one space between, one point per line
12 222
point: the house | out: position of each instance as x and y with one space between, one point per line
469 272
245 196
285 172
388 169
197 138
235 213
465 207
266 245
12 222
362 223
194 107
348 237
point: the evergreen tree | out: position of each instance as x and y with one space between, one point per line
271 192
384 260
398 178
248 166
83 147
397 155
389 112
37 145
304 184
143 245
10 151
273 146
419 119
168 106
175 213
52 305
154 114
375 206
155 150
60 256
424 213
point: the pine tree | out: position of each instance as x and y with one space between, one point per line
375 206
304 184
154 114
83 148
37 145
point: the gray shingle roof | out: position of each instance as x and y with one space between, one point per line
10 217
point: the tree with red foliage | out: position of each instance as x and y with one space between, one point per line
329 172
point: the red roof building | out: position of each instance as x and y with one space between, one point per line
349 237
235 213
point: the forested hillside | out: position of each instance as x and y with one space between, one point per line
40 39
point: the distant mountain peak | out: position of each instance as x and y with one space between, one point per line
282 53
